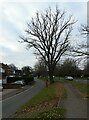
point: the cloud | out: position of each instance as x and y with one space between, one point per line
8 44
15 15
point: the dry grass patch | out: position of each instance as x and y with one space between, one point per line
83 89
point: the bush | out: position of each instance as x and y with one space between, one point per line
11 86
13 79
27 79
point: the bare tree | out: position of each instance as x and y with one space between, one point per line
80 50
83 48
40 68
49 34
13 67
26 70
84 30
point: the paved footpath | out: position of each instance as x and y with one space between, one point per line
75 105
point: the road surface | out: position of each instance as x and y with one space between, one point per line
11 104
11 92
83 81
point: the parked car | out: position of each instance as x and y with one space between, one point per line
69 78
19 82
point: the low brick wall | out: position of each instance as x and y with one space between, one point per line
11 86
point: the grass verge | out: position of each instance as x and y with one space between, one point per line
44 104
83 89
51 113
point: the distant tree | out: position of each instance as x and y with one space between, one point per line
83 48
84 30
49 34
80 50
40 68
57 70
12 67
69 68
26 70
86 70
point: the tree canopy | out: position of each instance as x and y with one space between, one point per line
49 33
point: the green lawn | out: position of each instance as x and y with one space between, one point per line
45 95
44 104
83 89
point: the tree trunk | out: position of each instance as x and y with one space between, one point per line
46 83
51 79
51 76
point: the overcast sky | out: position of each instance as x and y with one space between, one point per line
13 19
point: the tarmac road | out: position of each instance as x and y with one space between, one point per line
83 81
11 104
11 92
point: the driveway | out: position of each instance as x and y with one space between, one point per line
11 104
75 105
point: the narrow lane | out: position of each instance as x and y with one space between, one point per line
10 105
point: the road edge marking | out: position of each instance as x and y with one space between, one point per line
15 95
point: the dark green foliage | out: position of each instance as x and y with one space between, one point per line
13 79
26 79
68 68
86 70
26 70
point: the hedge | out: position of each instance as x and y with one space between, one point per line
27 79
11 86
